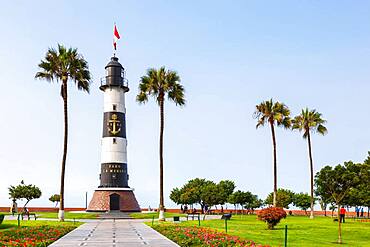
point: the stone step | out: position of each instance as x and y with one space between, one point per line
115 215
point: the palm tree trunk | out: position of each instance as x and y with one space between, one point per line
161 198
275 163
311 170
62 175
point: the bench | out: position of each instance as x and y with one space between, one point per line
192 215
28 215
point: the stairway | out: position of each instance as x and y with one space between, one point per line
115 214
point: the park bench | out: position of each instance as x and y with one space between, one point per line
28 215
192 215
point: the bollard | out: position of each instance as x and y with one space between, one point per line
153 221
198 220
226 224
286 236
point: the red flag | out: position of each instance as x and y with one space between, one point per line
116 37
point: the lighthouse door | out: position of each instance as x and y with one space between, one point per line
114 202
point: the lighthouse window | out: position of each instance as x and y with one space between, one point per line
114 141
114 107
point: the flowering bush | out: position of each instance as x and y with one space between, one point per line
271 216
33 236
200 236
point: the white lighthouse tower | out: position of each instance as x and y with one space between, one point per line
113 192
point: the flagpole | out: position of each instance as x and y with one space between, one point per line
116 37
114 45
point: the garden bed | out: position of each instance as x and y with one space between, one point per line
200 236
33 235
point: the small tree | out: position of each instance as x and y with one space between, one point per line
226 188
271 216
284 197
360 195
232 199
324 197
23 191
240 198
55 198
254 203
338 182
323 204
211 195
302 201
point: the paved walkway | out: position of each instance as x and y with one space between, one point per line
114 233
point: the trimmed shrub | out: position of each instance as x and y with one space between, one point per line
271 216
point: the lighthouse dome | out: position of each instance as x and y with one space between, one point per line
114 75
113 63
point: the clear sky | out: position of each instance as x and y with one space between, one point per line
231 55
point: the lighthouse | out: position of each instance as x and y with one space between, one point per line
114 193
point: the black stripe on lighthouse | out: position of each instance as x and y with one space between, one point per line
113 175
114 124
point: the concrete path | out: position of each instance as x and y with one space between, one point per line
114 233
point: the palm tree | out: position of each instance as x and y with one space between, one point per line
61 65
158 83
307 121
273 113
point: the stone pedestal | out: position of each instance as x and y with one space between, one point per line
108 199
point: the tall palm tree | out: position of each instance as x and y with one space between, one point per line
158 84
307 121
61 65
273 113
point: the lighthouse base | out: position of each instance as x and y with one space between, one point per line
113 199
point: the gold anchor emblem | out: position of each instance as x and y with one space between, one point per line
114 125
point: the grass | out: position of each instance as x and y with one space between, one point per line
6 213
8 224
67 215
302 231
155 214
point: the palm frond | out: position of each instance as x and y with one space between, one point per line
309 120
64 64
160 82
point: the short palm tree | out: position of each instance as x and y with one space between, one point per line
158 84
273 113
307 121
61 65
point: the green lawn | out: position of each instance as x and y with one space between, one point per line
302 231
8 224
67 215
155 214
